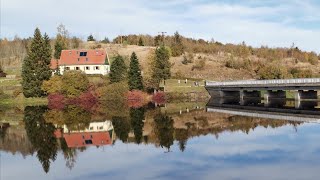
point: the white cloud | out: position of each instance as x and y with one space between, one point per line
257 23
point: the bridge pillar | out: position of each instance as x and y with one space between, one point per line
300 95
249 97
305 95
305 104
274 98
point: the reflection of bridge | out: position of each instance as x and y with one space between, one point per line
304 89
267 112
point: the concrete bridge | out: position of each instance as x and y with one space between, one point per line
304 89
262 113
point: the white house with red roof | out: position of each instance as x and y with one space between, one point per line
90 61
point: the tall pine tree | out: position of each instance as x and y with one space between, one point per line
134 75
36 65
118 70
161 66
177 46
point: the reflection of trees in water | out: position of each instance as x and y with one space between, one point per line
41 135
246 123
182 136
76 118
164 130
70 154
137 117
3 130
121 127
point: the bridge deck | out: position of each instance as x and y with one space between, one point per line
265 114
310 83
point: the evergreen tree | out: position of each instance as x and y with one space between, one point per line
161 65
105 40
118 70
41 135
134 75
36 65
140 42
90 38
177 46
137 117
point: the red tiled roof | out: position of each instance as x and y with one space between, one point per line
72 57
82 139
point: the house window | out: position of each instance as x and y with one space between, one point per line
96 68
88 141
77 68
83 53
67 68
87 68
101 127
91 128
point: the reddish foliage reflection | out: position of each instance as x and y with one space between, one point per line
159 98
56 101
136 98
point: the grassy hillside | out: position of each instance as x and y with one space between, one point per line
217 66
200 61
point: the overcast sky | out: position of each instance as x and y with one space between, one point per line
276 23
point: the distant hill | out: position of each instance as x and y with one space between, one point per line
201 59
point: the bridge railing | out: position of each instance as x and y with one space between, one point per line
265 82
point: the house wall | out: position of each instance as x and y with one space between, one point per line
93 127
88 69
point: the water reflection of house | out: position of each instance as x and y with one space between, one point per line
97 134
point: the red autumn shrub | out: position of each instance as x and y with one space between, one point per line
136 98
159 98
87 100
135 95
56 101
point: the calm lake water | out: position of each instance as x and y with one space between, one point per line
175 141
